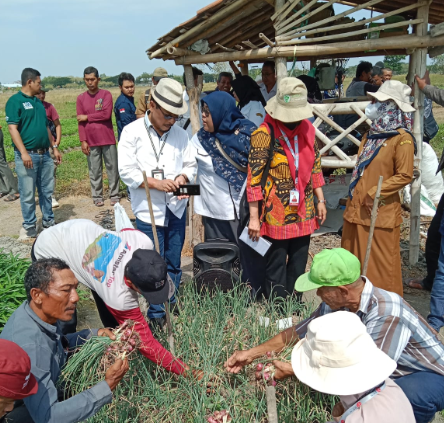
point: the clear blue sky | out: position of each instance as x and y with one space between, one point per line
62 37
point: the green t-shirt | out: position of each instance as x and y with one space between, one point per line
29 114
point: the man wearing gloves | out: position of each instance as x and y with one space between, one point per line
157 146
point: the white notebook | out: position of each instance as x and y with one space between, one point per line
261 245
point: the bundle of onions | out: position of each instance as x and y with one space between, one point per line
89 363
222 416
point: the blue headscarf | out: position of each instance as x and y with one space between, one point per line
233 132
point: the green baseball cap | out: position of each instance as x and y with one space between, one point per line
335 267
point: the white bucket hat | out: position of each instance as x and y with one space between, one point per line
338 356
290 102
168 94
396 91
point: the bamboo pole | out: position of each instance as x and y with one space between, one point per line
263 37
334 148
343 134
156 244
176 51
281 24
330 162
373 217
419 58
244 68
320 50
349 34
299 32
281 30
284 11
221 19
334 125
361 114
319 120
250 44
281 62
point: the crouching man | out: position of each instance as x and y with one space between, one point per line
116 266
52 297
395 327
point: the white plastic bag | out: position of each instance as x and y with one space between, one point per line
121 218
427 206
432 181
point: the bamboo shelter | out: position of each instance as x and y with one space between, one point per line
253 31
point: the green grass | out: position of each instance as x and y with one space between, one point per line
12 290
208 330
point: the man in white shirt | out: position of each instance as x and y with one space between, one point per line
161 148
269 81
185 120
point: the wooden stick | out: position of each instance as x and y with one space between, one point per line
156 244
266 39
291 34
350 34
250 44
374 215
271 404
319 50
225 48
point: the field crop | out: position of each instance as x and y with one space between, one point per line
12 290
207 331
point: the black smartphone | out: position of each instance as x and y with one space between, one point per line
188 189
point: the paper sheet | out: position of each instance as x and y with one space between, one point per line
261 246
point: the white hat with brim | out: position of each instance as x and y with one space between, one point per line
396 91
290 102
168 94
338 356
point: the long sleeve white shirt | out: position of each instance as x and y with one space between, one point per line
217 198
136 154
255 112
267 95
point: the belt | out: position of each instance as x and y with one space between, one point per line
40 151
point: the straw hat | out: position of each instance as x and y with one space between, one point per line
168 94
339 357
290 103
396 91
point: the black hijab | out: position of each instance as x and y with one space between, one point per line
247 90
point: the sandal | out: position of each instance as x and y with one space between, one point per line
99 203
11 197
114 202
415 283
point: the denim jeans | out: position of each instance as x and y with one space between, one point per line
41 176
436 316
425 391
171 239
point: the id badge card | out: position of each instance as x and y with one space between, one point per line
158 174
294 197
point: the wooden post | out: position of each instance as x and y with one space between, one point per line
418 67
195 221
281 62
244 68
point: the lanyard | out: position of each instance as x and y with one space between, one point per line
294 153
362 401
152 143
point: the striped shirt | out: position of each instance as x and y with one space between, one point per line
396 328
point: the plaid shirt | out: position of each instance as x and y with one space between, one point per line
396 328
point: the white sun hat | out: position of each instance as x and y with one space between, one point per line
168 94
338 356
290 102
396 91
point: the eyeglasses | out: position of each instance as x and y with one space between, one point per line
206 111
166 116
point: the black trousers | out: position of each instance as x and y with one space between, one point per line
285 262
433 245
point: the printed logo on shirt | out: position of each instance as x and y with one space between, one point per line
99 105
122 110
27 105
116 265
99 254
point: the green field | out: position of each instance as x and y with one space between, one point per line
72 175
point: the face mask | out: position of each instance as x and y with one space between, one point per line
371 111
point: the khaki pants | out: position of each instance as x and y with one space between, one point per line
108 154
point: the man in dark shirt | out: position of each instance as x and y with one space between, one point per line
28 126
363 82
124 108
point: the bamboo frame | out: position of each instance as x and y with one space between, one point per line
396 43
289 36
350 34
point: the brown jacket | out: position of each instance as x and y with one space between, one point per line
394 163
142 106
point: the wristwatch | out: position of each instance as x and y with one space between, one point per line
55 146
322 201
